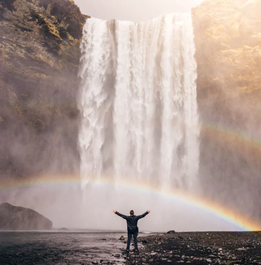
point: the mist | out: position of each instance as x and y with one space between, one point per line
134 10
66 205
41 132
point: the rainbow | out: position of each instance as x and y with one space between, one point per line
230 138
212 208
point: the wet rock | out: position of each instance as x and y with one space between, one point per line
63 229
209 248
241 249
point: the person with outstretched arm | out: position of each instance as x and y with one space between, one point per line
132 225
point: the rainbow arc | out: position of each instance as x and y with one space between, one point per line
212 208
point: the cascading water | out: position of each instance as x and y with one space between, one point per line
138 103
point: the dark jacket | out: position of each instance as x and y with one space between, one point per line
132 221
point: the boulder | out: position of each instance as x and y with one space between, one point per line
63 229
19 218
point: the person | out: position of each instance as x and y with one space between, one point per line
132 225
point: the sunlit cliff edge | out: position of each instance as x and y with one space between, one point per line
39 57
228 44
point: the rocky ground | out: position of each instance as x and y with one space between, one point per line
86 248
199 248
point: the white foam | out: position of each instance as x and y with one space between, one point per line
138 102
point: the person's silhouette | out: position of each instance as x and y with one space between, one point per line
132 225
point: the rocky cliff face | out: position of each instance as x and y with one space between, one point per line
19 218
228 43
39 56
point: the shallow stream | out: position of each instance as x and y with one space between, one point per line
60 247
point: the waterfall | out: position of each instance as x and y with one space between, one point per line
137 101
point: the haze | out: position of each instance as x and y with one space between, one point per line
134 10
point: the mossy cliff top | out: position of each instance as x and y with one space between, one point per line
228 40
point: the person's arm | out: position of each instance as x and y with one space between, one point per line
121 215
143 215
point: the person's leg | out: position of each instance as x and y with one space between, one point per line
128 242
135 241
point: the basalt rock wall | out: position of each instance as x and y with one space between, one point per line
228 44
39 57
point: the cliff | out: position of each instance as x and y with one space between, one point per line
39 56
228 44
19 218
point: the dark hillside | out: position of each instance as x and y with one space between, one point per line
39 56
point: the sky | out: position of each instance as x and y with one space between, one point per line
134 10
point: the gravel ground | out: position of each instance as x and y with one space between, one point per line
105 248
199 249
